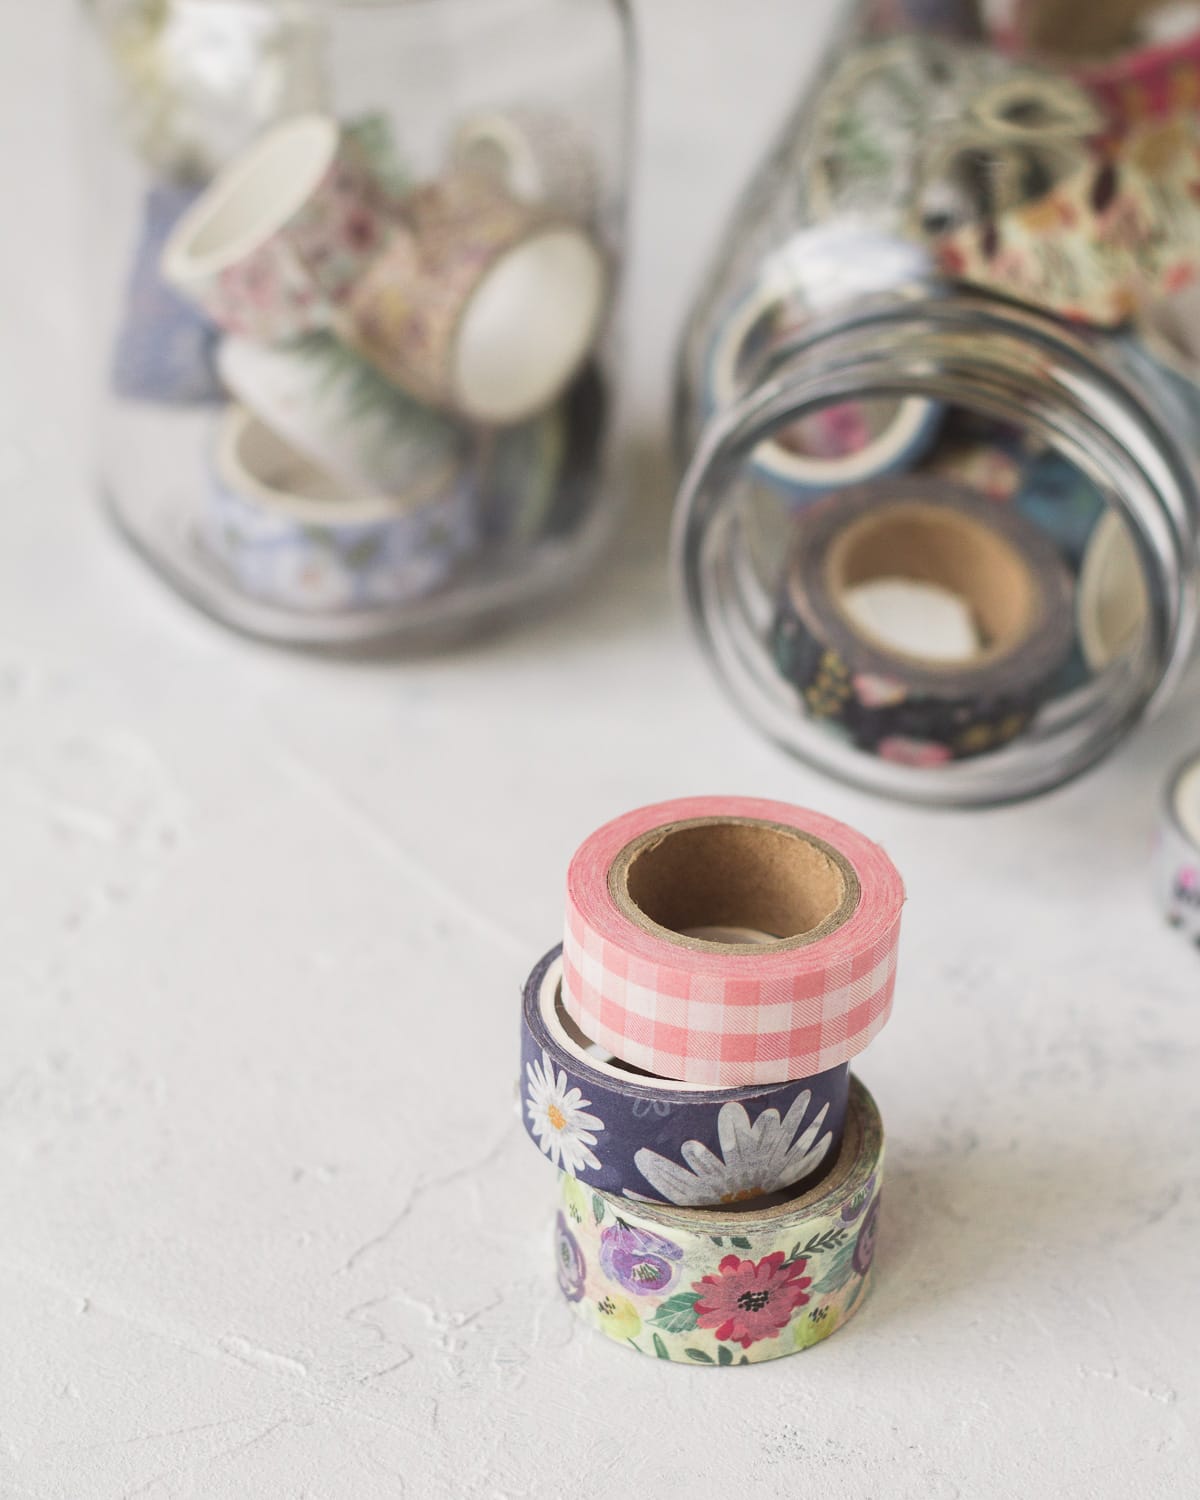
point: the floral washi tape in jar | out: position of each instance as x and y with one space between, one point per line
954 689
276 242
295 537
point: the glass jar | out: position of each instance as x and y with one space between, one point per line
939 411
354 266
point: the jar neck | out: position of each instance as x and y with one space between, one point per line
1100 401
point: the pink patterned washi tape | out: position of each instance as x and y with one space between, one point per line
274 244
807 995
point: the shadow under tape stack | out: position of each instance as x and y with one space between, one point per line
686 1067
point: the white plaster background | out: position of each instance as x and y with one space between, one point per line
268 1225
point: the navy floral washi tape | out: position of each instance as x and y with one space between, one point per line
911 709
637 1136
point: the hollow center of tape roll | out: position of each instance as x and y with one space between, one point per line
733 875
953 552
263 191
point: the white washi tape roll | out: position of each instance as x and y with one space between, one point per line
730 1013
1177 857
332 405
1111 602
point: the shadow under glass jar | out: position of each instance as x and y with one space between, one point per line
936 539
354 269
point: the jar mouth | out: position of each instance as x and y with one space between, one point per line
1070 392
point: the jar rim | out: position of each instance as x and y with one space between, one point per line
1002 359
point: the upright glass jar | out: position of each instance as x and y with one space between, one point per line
354 265
938 403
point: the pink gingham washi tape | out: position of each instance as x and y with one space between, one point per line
819 902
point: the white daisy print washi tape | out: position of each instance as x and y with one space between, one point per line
658 1139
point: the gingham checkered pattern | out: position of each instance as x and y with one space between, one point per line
720 1031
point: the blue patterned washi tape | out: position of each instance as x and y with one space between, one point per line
634 1135
289 536
165 348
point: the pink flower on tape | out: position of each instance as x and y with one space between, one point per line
876 691
746 1302
909 752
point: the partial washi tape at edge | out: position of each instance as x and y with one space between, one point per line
723 1014
1177 856
637 1136
718 1287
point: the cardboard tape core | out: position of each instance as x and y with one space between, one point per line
934 545
734 873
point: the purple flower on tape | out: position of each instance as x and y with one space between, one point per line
568 1258
641 1262
864 1245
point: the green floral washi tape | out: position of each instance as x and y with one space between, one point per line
719 1286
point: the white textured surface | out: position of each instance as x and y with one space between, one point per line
268 1226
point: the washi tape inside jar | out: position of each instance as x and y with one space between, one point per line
291 534
923 708
719 1013
842 442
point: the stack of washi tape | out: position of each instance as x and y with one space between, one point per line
686 1064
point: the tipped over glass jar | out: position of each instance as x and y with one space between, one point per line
939 405
353 266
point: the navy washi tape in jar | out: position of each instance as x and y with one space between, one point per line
1003 568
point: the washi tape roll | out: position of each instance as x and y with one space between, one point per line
1177 856
923 709
838 444
637 1136
718 1287
332 405
1121 231
483 306
274 244
1112 602
535 155
1148 82
290 534
165 349
804 1001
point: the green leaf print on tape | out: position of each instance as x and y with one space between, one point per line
724 1355
660 1348
740 1241
677 1314
597 1208
699 1356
